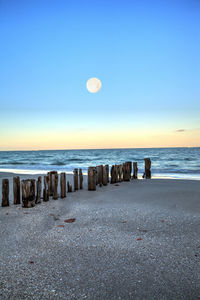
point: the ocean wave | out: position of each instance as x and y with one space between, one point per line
57 163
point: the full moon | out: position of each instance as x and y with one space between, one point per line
93 85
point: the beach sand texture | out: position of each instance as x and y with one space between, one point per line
134 240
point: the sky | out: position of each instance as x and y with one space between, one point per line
146 54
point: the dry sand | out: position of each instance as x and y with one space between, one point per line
138 240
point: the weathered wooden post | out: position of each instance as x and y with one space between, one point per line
63 185
126 171
28 193
39 190
135 170
105 176
69 187
91 179
113 172
129 163
100 175
120 173
5 192
16 190
55 185
46 189
75 179
107 172
147 172
51 187
80 179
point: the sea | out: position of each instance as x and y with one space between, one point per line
178 163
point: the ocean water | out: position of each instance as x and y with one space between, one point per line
166 162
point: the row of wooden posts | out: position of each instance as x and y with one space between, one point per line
99 175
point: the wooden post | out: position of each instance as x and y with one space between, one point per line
107 172
75 179
46 189
51 187
147 172
28 193
105 176
120 173
126 171
55 185
80 179
113 172
135 170
63 185
5 192
69 187
91 179
100 175
16 190
39 190
129 163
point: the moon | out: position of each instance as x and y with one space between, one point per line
93 85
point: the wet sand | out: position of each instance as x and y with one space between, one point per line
137 240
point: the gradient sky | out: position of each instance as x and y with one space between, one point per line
146 54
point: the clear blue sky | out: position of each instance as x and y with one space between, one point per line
146 53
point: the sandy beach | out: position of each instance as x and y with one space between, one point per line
135 240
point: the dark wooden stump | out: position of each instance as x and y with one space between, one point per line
39 190
147 172
105 176
69 187
28 193
50 175
120 173
80 179
63 185
16 190
113 172
75 179
100 175
91 179
46 189
55 186
126 171
5 192
135 170
107 172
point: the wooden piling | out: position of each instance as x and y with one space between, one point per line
135 170
126 171
147 172
39 190
120 173
105 176
50 182
16 190
75 179
55 185
69 187
46 189
107 172
63 185
113 172
80 179
5 192
91 179
100 175
28 193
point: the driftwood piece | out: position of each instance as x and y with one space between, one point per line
46 189
113 173
5 192
100 175
50 182
69 187
107 172
147 172
63 185
135 170
55 185
39 190
16 190
80 179
28 193
91 179
126 171
105 176
75 179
